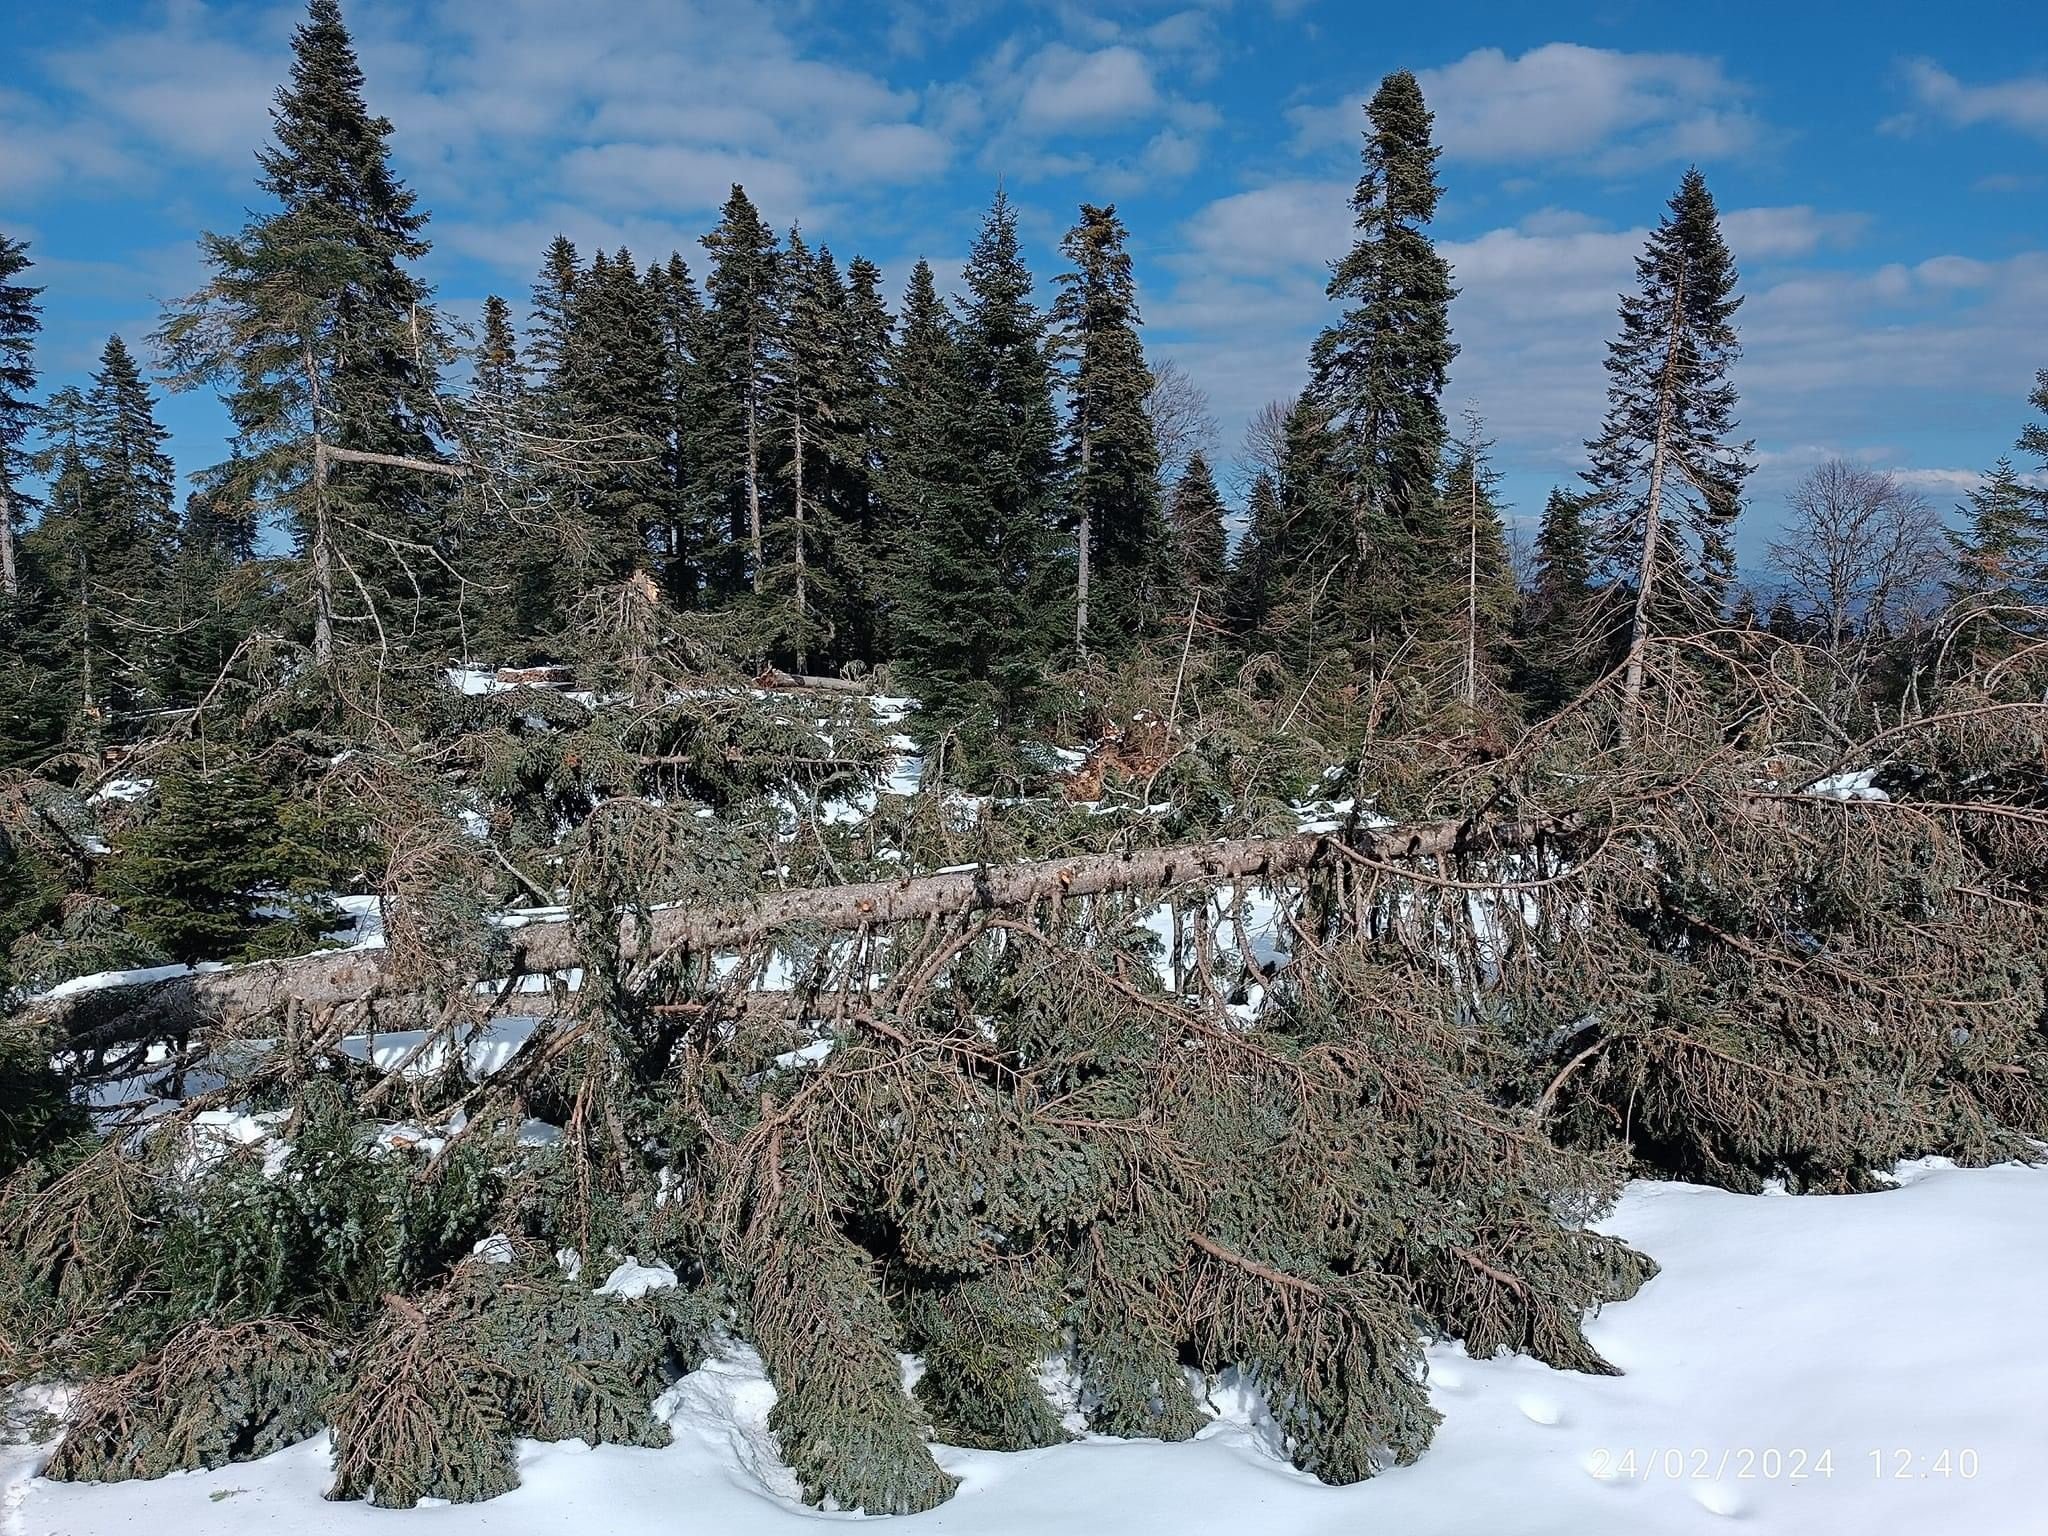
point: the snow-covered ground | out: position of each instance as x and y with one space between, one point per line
1868 1365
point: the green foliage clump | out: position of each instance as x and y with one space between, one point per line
213 1394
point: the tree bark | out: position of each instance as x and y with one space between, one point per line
1081 577
335 979
9 582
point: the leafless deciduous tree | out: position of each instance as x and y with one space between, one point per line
1182 422
1861 558
1265 440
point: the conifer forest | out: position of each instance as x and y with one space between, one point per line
724 810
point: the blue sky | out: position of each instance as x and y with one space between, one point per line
1883 169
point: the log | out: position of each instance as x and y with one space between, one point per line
338 979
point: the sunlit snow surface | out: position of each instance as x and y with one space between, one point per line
1905 1324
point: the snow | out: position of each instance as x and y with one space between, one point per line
632 1280
1787 1339
134 977
485 1048
121 791
1858 785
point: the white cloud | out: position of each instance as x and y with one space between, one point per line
1765 233
1563 100
677 178
1272 229
2020 104
1066 88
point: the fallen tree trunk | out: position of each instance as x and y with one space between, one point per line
323 981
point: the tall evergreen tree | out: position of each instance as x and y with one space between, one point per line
918 468
867 342
1253 573
691 548
134 476
1312 592
1666 469
499 546
1559 646
980 617
554 291
1479 593
808 421
1201 546
20 320
1379 371
613 384
2001 560
323 338
742 335
1112 456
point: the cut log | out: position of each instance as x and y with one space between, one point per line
323 981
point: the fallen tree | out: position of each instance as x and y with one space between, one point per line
335 979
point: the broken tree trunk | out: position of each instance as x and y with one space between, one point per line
319 982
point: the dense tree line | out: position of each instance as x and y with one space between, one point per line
969 491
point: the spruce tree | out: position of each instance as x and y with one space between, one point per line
1666 470
2034 435
866 344
216 595
1112 456
1252 564
1379 371
1310 596
1559 648
613 385
187 877
322 338
100 555
1480 591
808 420
500 553
691 548
981 615
554 291
135 477
20 320
918 468
1201 546
742 334
2001 561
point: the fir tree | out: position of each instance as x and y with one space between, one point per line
1200 544
613 385
808 416
1481 588
2001 560
866 345
553 294
980 616
20 320
1559 646
1310 559
1252 563
216 596
692 547
918 468
1112 457
1379 371
188 876
1666 471
101 553
742 334
323 339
